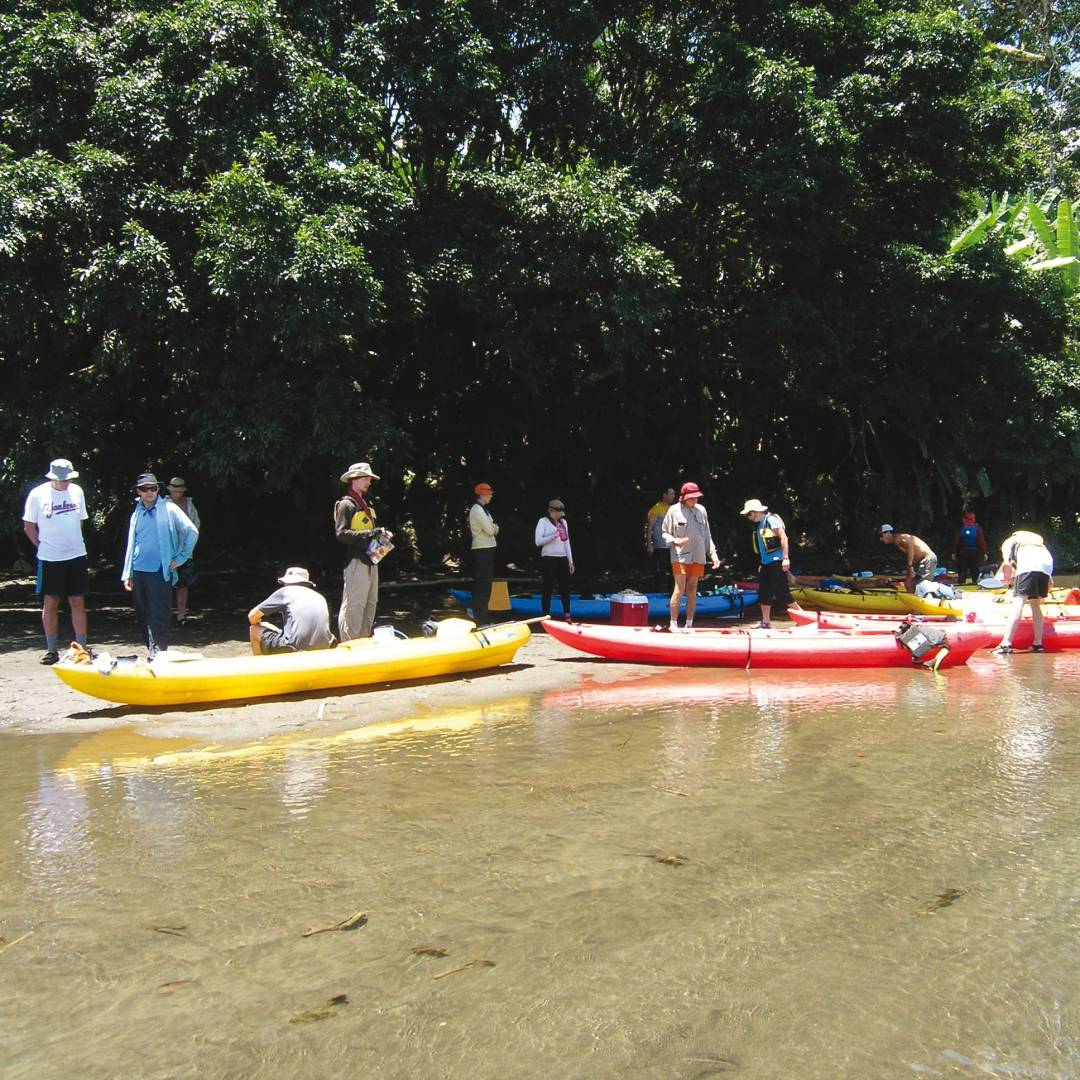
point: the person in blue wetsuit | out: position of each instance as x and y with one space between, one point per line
969 550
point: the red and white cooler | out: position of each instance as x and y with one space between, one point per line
629 608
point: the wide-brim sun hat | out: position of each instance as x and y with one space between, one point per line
753 506
354 472
61 469
147 478
296 575
178 482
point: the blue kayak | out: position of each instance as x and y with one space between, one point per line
729 602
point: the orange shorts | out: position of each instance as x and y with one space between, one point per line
688 570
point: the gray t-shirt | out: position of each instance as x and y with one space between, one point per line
307 617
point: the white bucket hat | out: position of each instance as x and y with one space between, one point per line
296 575
353 472
61 469
753 506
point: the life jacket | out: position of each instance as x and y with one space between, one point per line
363 520
767 543
969 536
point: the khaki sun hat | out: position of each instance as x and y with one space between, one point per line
753 506
354 472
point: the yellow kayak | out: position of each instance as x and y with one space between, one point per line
928 605
456 647
865 602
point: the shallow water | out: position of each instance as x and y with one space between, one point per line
691 874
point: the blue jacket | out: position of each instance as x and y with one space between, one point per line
176 538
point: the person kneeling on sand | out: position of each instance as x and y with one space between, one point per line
307 617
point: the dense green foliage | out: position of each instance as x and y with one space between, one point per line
588 249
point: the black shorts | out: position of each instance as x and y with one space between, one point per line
1034 585
773 585
69 577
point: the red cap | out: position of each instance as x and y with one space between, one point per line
689 490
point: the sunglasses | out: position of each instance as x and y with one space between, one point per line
148 487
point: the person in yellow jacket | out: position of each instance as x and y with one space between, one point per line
655 544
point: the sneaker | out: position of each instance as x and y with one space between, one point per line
180 622
51 658
1002 650
1036 648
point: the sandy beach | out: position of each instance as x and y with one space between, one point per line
33 700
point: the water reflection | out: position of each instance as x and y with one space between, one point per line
822 819
675 690
57 833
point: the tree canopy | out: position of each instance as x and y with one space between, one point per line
586 249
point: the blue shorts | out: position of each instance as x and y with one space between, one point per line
273 641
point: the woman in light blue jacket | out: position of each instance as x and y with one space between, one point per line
161 537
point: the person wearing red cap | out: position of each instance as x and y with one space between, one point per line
969 550
484 530
689 539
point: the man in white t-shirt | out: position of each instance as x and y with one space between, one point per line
52 519
1028 566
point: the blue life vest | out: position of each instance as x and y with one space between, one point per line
767 541
969 536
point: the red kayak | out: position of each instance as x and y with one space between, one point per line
798 648
1060 632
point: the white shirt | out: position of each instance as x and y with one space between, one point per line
58 516
547 539
1032 557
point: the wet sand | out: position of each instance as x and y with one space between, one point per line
33 700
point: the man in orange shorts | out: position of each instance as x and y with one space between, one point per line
686 532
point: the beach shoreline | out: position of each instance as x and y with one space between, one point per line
34 701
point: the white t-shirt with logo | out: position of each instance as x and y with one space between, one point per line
58 516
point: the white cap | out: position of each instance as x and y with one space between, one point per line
886 528
753 506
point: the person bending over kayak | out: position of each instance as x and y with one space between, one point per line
1028 566
921 561
307 617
